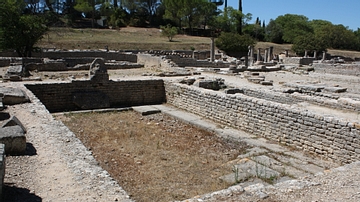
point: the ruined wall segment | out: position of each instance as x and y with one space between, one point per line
61 96
330 137
340 69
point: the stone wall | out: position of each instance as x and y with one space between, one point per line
329 137
2 167
79 54
149 60
298 60
60 96
342 69
335 102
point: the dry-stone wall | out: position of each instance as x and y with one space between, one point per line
79 54
329 137
342 69
60 96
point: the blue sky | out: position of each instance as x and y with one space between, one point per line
345 12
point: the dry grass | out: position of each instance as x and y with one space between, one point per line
155 158
130 38
124 38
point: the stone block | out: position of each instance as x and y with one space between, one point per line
233 91
13 96
13 137
13 121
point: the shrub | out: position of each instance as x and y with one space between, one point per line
233 42
168 31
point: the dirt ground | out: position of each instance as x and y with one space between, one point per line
155 157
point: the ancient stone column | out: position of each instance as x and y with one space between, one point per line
286 53
251 55
246 61
266 55
306 54
271 55
324 55
315 54
212 51
258 58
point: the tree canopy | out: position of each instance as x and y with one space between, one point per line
19 31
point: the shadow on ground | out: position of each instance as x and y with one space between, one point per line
30 149
17 194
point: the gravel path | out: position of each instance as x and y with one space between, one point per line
57 166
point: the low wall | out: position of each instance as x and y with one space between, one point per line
298 60
79 54
328 137
60 96
149 60
2 167
341 69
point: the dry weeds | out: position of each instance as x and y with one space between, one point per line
155 158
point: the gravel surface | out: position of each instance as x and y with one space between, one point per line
57 166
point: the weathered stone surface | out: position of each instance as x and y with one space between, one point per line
91 100
216 84
13 121
16 70
14 139
335 89
233 91
2 167
13 96
98 71
188 81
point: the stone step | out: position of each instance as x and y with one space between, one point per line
146 110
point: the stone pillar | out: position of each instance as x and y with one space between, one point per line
306 54
251 55
324 55
266 55
246 61
258 58
271 55
286 53
315 54
212 51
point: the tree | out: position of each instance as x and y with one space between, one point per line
228 21
168 31
234 42
274 32
174 11
88 7
19 31
291 26
308 42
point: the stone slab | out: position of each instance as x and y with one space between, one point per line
13 96
146 110
14 139
13 121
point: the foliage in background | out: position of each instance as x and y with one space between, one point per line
168 31
19 31
233 42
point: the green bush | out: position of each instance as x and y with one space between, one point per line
233 42
168 31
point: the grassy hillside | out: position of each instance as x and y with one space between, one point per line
131 38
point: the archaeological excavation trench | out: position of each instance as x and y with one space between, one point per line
242 135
